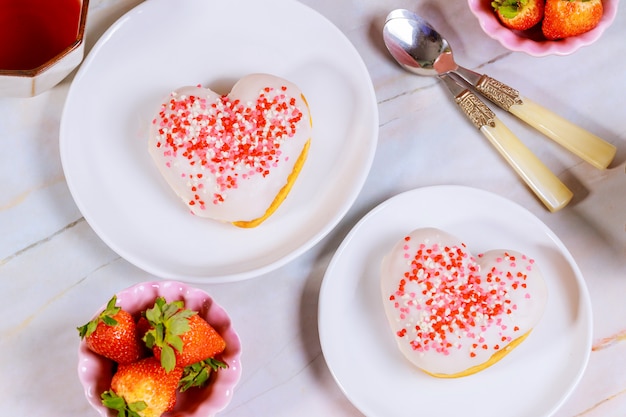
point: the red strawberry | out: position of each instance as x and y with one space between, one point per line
113 334
519 14
180 337
565 18
143 389
143 325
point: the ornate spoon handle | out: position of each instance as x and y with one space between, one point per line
577 140
546 186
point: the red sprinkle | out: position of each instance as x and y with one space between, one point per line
232 140
446 285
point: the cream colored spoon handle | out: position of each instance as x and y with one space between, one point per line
546 186
575 139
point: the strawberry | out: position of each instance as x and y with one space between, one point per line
142 389
180 337
113 334
565 18
519 14
143 325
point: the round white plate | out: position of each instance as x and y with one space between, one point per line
533 380
164 44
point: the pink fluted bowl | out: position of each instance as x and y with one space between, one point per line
95 371
532 42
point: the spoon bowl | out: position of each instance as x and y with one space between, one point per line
416 45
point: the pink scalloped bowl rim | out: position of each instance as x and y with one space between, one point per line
532 43
95 372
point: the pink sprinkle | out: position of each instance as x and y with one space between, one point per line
224 131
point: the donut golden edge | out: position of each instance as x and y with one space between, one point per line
492 360
282 194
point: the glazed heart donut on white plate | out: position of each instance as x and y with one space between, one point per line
453 314
235 157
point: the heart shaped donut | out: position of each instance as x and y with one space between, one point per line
453 314
235 157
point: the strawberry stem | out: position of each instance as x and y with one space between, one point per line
509 8
197 374
106 317
168 321
113 401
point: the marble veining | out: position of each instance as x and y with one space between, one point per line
55 271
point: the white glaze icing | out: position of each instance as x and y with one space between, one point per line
222 155
451 311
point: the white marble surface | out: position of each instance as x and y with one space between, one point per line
55 271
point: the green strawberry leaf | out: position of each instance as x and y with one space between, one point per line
113 401
109 321
170 309
179 323
168 321
153 314
197 374
509 8
106 317
173 341
168 358
149 339
137 406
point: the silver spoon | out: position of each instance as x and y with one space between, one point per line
424 52
421 50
